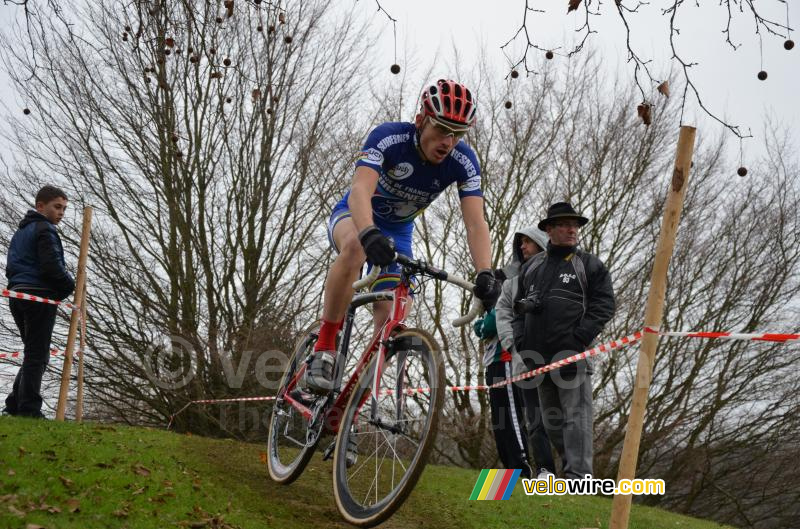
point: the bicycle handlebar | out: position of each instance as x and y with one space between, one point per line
368 279
423 268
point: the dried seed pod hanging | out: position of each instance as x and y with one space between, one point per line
644 112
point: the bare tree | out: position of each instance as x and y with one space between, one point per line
210 143
766 20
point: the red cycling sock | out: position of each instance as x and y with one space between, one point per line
327 335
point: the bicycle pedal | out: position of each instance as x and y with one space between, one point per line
304 397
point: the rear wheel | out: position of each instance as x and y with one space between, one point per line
292 436
390 426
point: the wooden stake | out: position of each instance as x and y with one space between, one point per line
621 507
81 351
73 322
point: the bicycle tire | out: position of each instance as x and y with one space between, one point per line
385 417
288 454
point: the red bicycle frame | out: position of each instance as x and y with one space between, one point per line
400 297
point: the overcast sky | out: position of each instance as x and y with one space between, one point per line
726 78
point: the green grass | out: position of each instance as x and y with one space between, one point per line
67 475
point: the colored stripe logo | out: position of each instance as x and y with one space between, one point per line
495 484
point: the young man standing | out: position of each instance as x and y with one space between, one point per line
402 168
36 266
516 421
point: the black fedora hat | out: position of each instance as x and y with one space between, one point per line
562 210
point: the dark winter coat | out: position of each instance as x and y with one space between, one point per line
570 315
36 258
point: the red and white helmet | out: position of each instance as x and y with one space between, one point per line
449 102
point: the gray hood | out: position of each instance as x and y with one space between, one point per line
534 233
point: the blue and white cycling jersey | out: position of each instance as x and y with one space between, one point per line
407 184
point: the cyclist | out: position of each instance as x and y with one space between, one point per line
402 168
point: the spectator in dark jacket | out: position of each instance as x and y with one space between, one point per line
36 266
566 297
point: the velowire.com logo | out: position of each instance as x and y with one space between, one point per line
495 484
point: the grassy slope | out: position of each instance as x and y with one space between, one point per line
65 475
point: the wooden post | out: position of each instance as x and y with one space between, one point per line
81 351
80 283
621 507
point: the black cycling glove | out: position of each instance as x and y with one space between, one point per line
487 288
378 247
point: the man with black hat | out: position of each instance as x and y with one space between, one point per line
566 297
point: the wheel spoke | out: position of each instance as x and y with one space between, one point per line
358 469
291 438
396 433
396 456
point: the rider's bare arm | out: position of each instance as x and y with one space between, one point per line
365 181
477 232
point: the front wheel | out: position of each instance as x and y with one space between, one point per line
292 436
388 429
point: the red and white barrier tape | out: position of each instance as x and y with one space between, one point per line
759 337
18 354
594 351
411 391
30 297
216 401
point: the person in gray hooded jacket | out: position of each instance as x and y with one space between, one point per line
516 422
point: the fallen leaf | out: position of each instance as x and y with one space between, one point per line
138 491
262 456
22 451
34 526
121 513
663 88
141 470
50 455
573 5
167 483
16 512
53 510
66 481
196 484
11 472
73 505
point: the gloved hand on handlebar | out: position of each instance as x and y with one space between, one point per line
487 288
378 247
